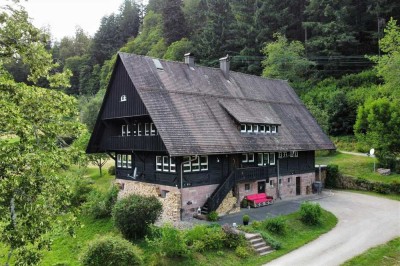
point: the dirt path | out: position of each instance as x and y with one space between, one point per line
364 222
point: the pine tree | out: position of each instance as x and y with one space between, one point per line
174 24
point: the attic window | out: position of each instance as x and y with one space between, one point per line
158 65
123 98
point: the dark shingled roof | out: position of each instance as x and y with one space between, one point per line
197 110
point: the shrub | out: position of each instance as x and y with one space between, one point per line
80 189
169 242
233 238
111 170
332 176
256 225
111 250
275 244
276 225
242 252
244 203
203 237
310 213
134 214
246 219
213 216
100 204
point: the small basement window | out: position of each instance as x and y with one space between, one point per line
246 187
123 98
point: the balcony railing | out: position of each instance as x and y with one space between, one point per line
137 143
250 173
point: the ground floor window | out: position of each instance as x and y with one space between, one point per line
165 164
246 187
195 165
124 161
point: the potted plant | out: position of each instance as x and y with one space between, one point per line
246 219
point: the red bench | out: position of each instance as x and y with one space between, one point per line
258 200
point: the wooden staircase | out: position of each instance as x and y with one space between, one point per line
258 244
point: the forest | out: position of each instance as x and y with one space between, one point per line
341 57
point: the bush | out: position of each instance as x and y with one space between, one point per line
134 214
203 237
213 216
332 176
244 203
168 242
275 244
310 213
111 170
276 225
242 252
111 250
80 189
233 238
100 204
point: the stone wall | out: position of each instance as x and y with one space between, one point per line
228 205
195 197
170 197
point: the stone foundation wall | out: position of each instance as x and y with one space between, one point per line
287 188
170 197
195 197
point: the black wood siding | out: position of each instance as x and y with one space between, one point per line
122 85
219 167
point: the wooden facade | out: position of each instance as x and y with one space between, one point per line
158 115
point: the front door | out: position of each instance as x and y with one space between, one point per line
298 187
261 187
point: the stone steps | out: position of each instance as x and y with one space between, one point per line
258 244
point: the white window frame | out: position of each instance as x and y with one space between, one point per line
123 130
146 129
272 158
129 161
139 129
172 165
289 180
243 130
260 159
196 165
119 162
187 164
128 130
280 155
204 163
255 128
124 161
274 129
266 158
123 98
271 183
280 181
159 162
251 157
247 184
245 158
165 164
249 128
153 130
261 129
267 129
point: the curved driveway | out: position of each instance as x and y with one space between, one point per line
364 222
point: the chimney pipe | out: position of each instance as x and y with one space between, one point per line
189 59
224 65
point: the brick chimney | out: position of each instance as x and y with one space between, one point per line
189 59
224 66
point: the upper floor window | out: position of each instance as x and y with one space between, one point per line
153 130
258 128
123 98
248 158
147 129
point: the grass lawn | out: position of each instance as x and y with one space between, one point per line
356 166
383 255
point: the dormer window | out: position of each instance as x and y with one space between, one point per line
273 129
258 128
123 98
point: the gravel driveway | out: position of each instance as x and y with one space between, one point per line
364 222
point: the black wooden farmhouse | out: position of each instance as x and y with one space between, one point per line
180 129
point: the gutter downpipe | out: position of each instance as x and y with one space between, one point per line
181 188
278 185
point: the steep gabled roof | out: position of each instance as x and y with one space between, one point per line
197 110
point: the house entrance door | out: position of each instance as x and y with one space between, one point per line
298 185
261 187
